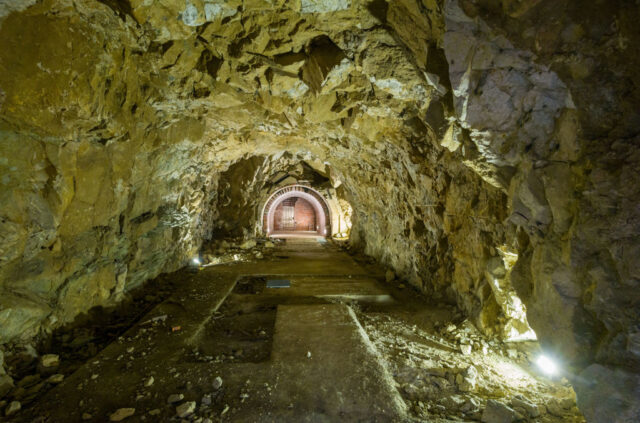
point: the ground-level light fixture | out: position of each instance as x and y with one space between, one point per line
196 261
547 365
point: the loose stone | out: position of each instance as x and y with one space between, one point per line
12 408
122 414
50 360
57 378
465 349
497 412
186 409
173 398
390 276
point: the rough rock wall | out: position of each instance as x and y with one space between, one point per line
99 191
558 107
479 157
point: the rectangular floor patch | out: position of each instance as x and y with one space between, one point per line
278 283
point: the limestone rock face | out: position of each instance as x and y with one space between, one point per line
488 150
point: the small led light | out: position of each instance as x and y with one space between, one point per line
547 365
196 261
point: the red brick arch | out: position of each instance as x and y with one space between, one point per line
323 217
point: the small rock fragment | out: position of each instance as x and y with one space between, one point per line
57 378
465 349
186 409
149 381
248 244
206 400
217 382
86 416
154 412
12 408
122 414
6 384
531 409
497 412
470 405
390 276
554 408
50 360
175 398
453 402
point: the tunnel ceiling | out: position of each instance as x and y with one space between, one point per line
488 148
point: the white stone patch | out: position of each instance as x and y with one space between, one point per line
283 85
42 68
323 6
378 111
217 10
191 16
434 82
298 90
390 85
337 75
8 6
400 90
213 10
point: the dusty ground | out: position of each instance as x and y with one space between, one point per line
339 345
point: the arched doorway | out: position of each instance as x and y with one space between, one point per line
296 209
295 214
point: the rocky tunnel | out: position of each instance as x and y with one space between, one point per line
482 155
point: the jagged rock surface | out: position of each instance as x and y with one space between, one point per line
480 159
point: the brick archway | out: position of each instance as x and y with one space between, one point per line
314 198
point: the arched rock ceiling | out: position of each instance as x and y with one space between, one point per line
465 134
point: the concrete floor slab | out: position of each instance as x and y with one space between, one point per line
327 370
355 288
343 380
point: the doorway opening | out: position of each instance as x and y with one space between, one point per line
296 210
295 214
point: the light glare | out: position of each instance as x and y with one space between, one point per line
196 261
547 365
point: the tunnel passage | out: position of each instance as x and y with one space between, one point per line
133 135
296 208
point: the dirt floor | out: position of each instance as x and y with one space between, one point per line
340 344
